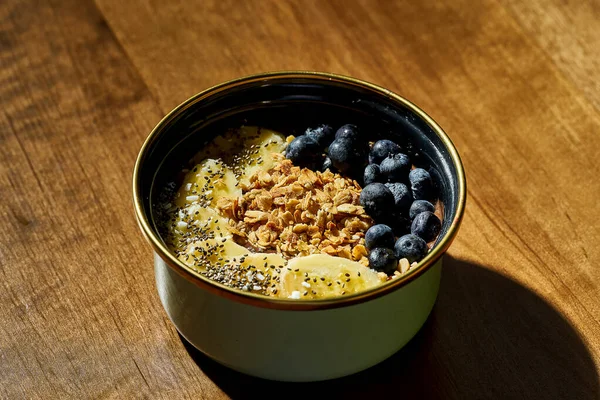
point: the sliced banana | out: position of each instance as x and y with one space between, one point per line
194 223
263 261
323 276
205 183
245 150
211 251
262 145
262 270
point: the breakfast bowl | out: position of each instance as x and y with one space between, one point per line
291 339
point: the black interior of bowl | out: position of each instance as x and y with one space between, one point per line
290 105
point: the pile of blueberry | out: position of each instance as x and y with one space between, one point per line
398 198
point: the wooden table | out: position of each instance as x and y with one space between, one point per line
515 84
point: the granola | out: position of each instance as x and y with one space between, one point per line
294 212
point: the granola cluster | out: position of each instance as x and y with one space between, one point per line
296 212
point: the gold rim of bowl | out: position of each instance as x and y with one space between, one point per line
286 304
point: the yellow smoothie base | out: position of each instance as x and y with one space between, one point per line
209 240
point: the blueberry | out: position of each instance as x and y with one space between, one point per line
395 167
377 200
418 206
372 174
383 260
322 134
381 149
402 196
426 225
348 131
304 152
379 235
411 247
347 156
421 184
399 223
326 165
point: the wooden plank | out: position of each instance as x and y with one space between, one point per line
568 33
513 84
79 311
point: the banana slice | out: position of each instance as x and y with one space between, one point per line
323 276
211 251
194 223
205 183
262 271
261 144
245 150
264 262
233 265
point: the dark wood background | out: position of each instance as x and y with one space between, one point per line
514 83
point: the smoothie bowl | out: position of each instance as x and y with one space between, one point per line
298 221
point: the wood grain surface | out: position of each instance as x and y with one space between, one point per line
515 84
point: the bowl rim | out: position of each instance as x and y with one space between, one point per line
286 304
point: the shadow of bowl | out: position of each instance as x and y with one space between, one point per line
488 338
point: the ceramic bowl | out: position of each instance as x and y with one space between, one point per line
295 340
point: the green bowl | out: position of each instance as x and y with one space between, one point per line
296 340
